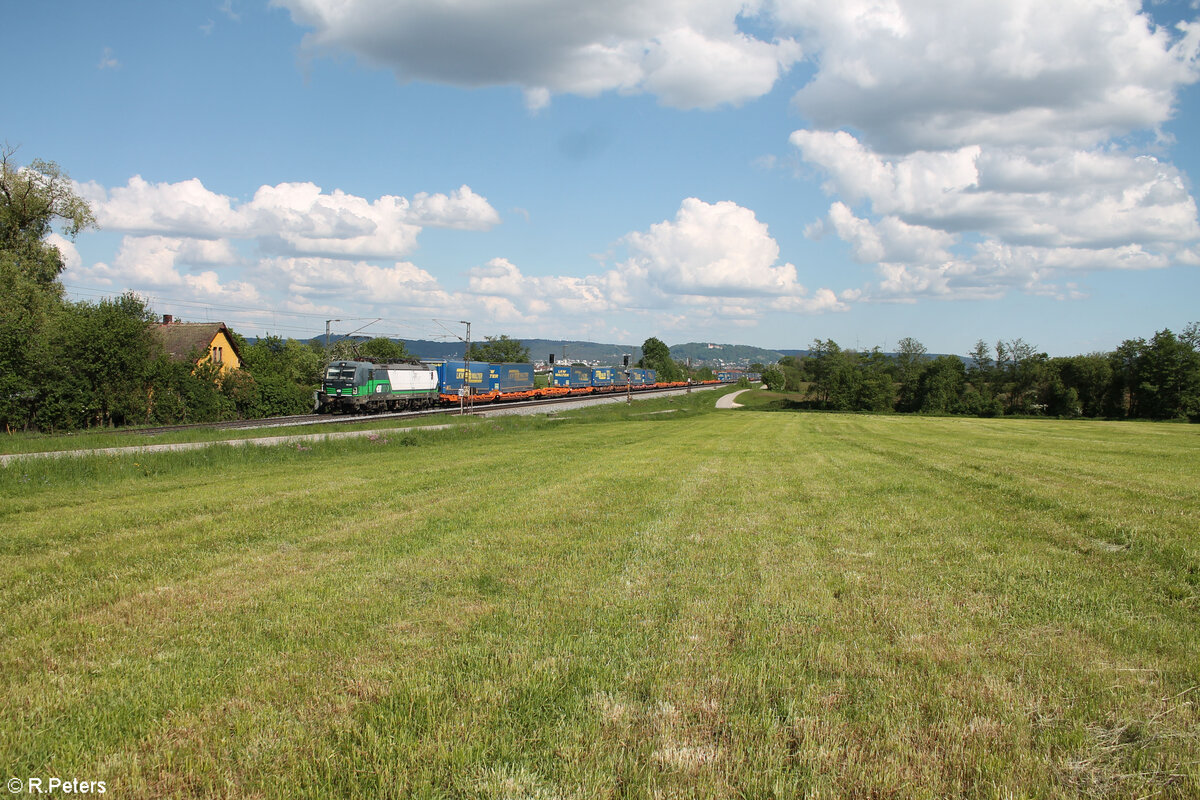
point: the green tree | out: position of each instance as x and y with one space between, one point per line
285 373
773 378
1089 377
941 386
876 389
1167 383
657 356
98 367
910 361
1120 399
981 360
182 391
1025 374
794 374
25 308
1191 335
347 349
832 374
499 349
33 200
383 350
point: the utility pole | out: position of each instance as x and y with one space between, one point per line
467 360
628 381
689 375
327 331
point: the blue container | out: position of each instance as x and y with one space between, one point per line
509 377
619 377
571 377
642 377
602 376
453 374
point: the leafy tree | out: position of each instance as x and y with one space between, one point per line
285 374
979 396
25 309
910 361
1191 335
794 373
981 360
1167 378
1088 377
1120 399
657 356
773 378
32 200
98 367
876 389
183 391
941 385
1025 371
383 350
499 349
344 350
832 373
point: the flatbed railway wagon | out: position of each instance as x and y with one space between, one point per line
573 379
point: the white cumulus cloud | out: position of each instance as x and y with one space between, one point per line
714 254
300 218
976 146
935 74
692 54
712 249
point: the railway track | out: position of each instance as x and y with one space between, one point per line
303 419
347 419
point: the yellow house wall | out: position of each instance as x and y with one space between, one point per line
229 359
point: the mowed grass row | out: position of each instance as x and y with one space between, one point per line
692 604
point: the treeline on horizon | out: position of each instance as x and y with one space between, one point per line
1155 379
73 365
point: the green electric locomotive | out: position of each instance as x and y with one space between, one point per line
362 387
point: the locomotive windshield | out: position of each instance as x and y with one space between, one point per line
337 372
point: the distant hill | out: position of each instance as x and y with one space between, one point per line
539 349
703 354
709 354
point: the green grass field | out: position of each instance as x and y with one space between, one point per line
97 438
618 604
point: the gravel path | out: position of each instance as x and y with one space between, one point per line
728 400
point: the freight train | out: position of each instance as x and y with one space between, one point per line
364 387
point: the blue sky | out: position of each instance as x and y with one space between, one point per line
764 173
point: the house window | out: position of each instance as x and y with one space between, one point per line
217 355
